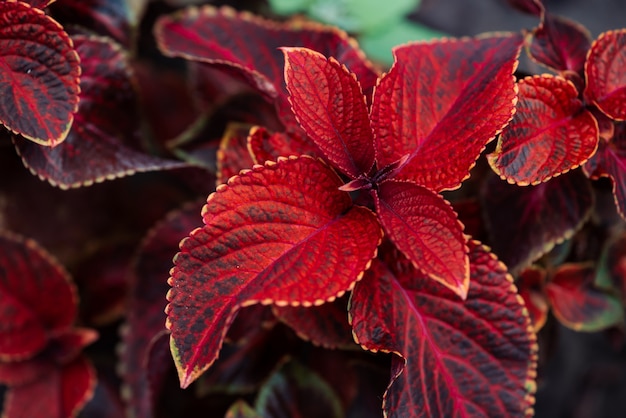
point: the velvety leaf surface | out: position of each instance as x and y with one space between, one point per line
531 283
578 303
610 161
326 325
266 146
560 44
59 394
296 391
233 155
112 18
249 46
606 82
475 358
39 73
145 318
36 297
329 104
441 103
549 135
545 215
281 233
103 141
426 229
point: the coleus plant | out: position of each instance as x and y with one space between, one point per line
302 231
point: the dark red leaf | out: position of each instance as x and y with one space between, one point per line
473 358
606 82
470 215
248 46
40 4
533 7
441 103
531 283
39 74
610 161
36 297
296 391
66 346
525 223
233 155
330 106
145 318
426 229
241 409
550 134
281 233
157 366
560 44
112 18
326 325
59 394
18 373
103 141
248 321
578 303
266 146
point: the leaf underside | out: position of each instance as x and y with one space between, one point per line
475 358
280 233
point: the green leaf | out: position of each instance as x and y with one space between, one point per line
287 7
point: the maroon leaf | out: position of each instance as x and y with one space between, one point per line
296 391
103 141
249 45
531 283
610 161
40 4
441 103
281 233
265 146
326 325
36 298
543 215
578 303
39 74
59 394
560 44
329 104
533 7
475 358
606 82
146 319
550 134
233 155
426 229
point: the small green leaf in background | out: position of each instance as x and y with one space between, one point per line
287 7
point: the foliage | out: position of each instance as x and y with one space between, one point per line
363 238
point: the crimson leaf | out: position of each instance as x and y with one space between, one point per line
39 72
441 103
475 358
263 240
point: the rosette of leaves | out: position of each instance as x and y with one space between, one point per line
303 225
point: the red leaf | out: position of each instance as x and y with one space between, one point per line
39 74
606 80
233 155
265 146
296 391
330 106
441 103
59 394
281 233
533 7
531 283
426 229
326 325
550 134
544 215
475 358
103 141
578 303
249 45
145 318
560 44
610 161
36 297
